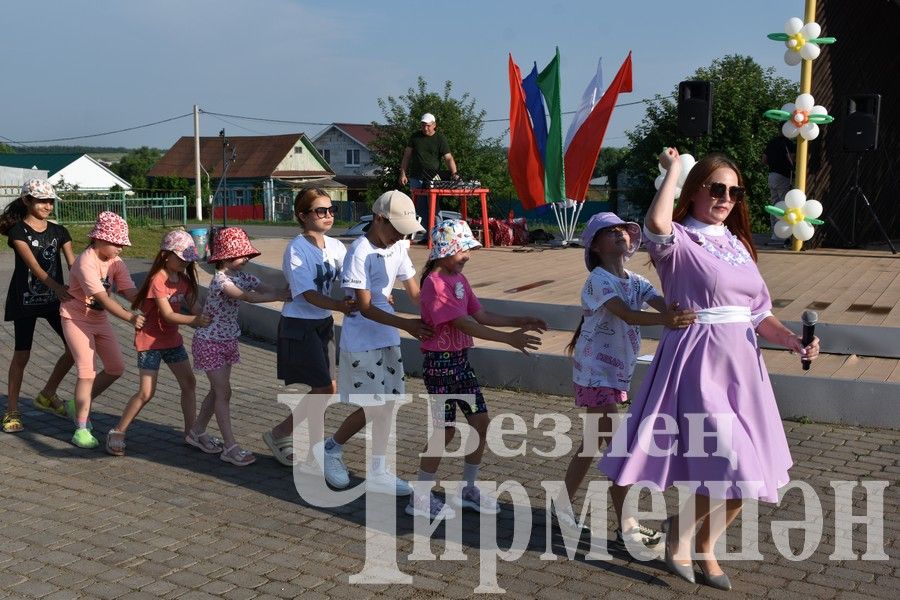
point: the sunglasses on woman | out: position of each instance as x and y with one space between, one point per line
718 189
322 211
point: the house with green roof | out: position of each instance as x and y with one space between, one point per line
68 170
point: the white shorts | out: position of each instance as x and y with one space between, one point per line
366 378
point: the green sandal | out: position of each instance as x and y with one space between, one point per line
84 439
12 422
45 404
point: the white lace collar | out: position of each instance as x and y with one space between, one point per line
704 228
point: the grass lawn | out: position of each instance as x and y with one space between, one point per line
144 240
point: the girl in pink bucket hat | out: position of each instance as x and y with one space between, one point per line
96 272
450 308
170 286
605 348
215 347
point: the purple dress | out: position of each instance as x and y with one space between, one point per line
714 369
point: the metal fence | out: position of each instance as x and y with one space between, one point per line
84 208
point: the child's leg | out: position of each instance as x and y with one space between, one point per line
352 425
24 335
146 389
220 389
106 345
439 439
63 364
311 407
188 384
81 338
208 406
579 464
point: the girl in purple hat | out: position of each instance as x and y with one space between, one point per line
215 348
605 347
171 285
96 272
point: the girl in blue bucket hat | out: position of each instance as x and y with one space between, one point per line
450 308
605 347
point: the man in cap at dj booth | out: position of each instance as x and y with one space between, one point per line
422 155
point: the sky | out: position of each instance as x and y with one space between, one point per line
91 66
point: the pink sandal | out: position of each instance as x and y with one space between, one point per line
237 456
204 442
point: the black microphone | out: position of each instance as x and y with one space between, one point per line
809 318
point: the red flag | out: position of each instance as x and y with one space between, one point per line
581 156
525 167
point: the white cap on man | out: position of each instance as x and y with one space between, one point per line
428 118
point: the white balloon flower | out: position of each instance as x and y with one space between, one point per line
687 163
799 43
799 122
797 216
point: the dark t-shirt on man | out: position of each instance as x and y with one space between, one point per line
27 297
778 155
427 152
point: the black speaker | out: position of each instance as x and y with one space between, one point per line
861 122
694 108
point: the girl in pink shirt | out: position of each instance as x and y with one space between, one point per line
451 309
170 286
87 329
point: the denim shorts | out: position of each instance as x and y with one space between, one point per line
150 360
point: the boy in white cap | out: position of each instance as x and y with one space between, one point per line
370 372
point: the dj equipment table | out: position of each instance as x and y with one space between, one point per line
463 193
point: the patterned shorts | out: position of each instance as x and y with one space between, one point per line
370 377
149 360
449 373
211 355
591 397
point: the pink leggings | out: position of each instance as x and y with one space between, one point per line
86 340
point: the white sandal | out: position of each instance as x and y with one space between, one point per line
204 442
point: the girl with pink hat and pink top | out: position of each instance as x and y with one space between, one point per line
215 348
170 286
88 332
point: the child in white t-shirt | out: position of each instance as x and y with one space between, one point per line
371 368
606 344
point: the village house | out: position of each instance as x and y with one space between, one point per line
68 171
345 147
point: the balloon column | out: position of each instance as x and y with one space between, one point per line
801 120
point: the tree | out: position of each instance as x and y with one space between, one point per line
742 91
610 163
458 119
133 166
6 149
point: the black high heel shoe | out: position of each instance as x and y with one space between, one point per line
686 572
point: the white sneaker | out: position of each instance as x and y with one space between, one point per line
385 482
336 473
429 506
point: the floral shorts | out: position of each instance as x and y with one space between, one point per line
211 355
598 396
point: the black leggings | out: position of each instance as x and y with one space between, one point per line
25 330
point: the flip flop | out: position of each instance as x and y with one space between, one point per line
281 448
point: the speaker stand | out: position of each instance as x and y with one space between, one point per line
858 194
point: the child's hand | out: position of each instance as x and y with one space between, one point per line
420 330
348 305
201 320
390 299
669 159
533 324
521 340
678 319
61 291
137 320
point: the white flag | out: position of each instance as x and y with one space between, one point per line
589 98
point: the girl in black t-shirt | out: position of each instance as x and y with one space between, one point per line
35 290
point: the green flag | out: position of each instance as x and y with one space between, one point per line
554 170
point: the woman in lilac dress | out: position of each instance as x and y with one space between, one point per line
710 376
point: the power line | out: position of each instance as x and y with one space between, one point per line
93 135
265 120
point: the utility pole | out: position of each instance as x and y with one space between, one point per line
198 182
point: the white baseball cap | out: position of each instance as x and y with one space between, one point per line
428 118
399 209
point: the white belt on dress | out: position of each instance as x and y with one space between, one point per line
723 314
